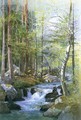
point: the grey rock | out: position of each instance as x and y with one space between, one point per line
66 116
50 97
58 100
52 112
16 71
14 106
51 78
33 90
9 90
19 96
4 108
45 107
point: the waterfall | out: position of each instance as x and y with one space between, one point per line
33 102
29 93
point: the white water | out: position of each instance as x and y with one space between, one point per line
33 102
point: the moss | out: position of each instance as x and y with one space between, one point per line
25 81
75 108
61 105
72 101
2 94
22 84
73 88
8 85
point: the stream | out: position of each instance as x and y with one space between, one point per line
30 107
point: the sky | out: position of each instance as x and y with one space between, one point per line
63 6
49 7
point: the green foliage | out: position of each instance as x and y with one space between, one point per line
72 101
19 50
2 94
24 82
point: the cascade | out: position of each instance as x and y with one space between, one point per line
33 102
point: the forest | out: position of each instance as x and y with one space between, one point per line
40 71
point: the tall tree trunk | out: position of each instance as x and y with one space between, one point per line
63 68
27 42
26 14
36 58
73 53
16 6
42 40
3 45
10 64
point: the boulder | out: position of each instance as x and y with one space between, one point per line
14 106
72 112
50 97
60 88
58 100
25 92
16 71
33 90
66 114
51 78
2 94
10 91
52 112
45 107
4 108
19 96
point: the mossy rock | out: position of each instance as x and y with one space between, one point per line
26 81
4 108
23 83
19 96
45 107
75 105
60 105
75 108
2 94
14 106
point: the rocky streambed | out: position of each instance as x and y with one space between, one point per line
40 102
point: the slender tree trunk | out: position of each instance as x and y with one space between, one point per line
27 42
3 45
26 14
42 58
21 57
22 15
10 64
16 6
36 58
73 53
63 69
